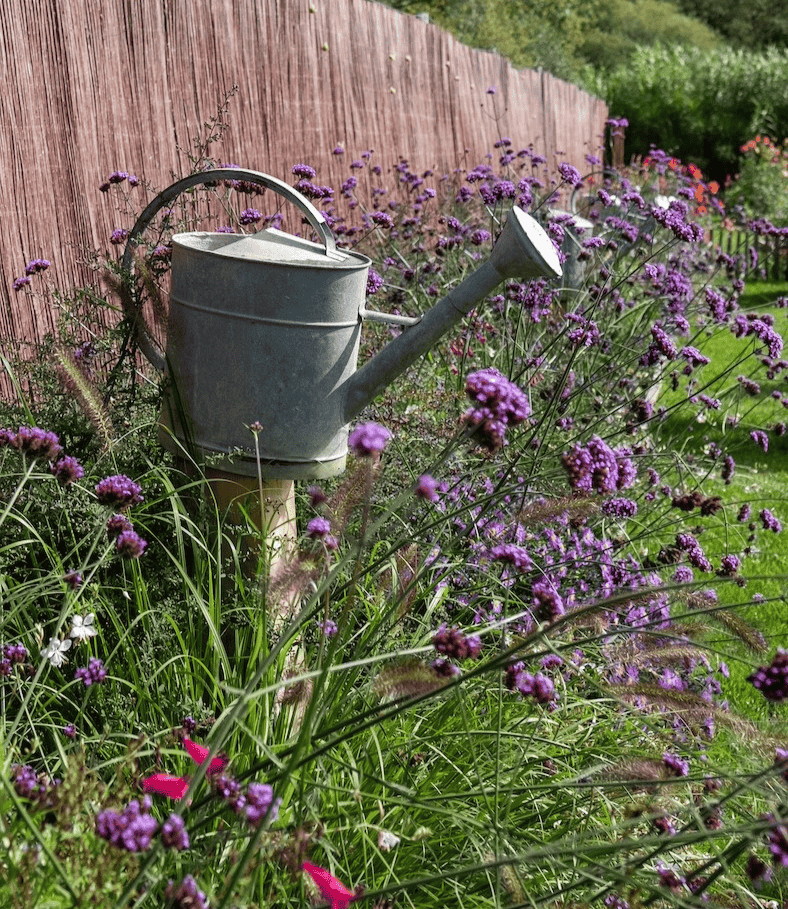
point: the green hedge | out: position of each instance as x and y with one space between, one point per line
700 105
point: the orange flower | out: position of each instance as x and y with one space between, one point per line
714 187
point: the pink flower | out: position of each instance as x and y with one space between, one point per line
173 787
199 754
333 890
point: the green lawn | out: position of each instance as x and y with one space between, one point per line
761 478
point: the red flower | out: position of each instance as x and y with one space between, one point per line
333 890
199 754
173 787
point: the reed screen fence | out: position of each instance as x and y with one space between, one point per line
93 86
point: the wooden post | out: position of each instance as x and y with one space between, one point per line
273 513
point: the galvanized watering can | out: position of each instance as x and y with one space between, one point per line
266 327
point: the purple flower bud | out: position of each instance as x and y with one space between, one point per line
368 439
130 545
92 674
374 282
250 216
427 488
304 171
117 524
318 528
174 834
68 470
772 680
118 491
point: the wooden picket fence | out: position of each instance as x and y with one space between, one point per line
771 261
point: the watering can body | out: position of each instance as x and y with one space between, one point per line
262 329
265 328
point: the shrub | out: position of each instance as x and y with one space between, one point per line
760 188
700 106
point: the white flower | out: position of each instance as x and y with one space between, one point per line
387 840
55 651
83 628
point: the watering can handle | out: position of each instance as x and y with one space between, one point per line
147 345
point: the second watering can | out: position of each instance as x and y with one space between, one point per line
265 328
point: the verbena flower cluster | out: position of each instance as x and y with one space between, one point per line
772 680
499 404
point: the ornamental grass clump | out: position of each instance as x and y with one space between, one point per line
497 666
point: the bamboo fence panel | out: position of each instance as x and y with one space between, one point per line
93 86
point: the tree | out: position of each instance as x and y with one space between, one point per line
754 24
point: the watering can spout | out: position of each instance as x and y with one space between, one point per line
523 252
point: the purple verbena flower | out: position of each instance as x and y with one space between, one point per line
130 545
37 443
597 467
118 491
318 528
778 845
15 653
187 895
67 470
305 171
675 764
500 404
132 829
368 439
250 216
770 522
117 524
260 804
374 282
174 834
328 627
92 674
453 643
772 680
570 175
36 265
427 488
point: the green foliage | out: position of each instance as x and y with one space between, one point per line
546 35
701 106
761 186
755 24
565 38
622 26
